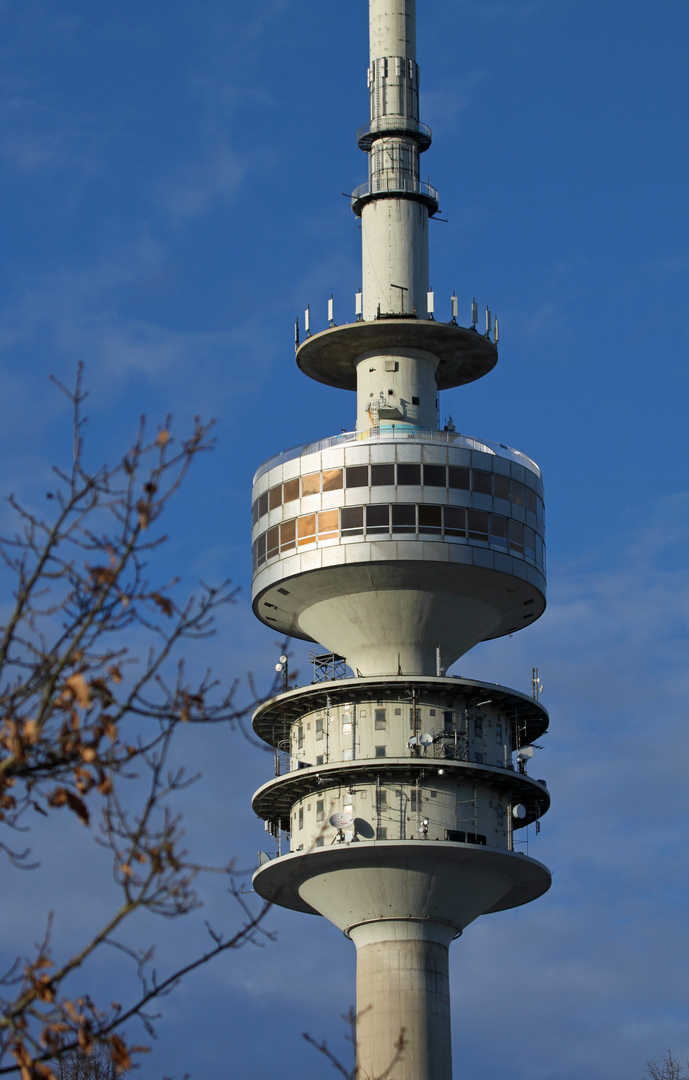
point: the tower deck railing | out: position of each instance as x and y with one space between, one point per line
399 433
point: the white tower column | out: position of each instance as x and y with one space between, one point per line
403 997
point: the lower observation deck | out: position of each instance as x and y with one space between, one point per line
331 356
445 882
401 187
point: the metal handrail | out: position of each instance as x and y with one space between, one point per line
395 433
400 185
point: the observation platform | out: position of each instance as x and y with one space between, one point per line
331 356
430 881
394 127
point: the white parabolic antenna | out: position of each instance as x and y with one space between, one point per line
519 812
341 821
525 752
425 739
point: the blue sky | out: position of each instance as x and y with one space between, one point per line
171 198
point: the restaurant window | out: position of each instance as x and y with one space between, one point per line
380 719
429 519
477 522
518 493
328 524
434 476
275 497
458 478
455 521
352 520
332 479
498 530
272 542
403 518
501 486
481 482
288 535
382 475
409 474
357 476
311 484
377 519
290 490
516 533
263 504
306 529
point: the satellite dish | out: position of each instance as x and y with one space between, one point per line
341 821
519 812
426 739
525 753
278 667
413 741
364 829
283 659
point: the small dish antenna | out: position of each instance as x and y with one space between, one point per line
426 739
519 812
413 741
525 752
341 821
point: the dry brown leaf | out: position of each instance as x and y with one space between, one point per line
80 688
163 437
163 603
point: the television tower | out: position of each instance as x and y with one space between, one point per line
397 547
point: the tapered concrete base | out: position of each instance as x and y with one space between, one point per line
403 1000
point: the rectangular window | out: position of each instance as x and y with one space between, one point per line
287 535
398 712
346 727
261 550
300 738
434 476
357 476
319 759
409 474
328 524
381 799
377 519
263 504
516 534
311 484
352 520
500 811
482 482
320 812
478 727
455 518
272 542
254 512
448 724
430 520
529 542
477 523
458 478
306 529
275 497
530 499
382 475
301 818
381 833
403 518
414 718
518 493
478 758
501 486
320 841
415 799
380 719
498 530
290 490
332 479
319 728
380 751
498 733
